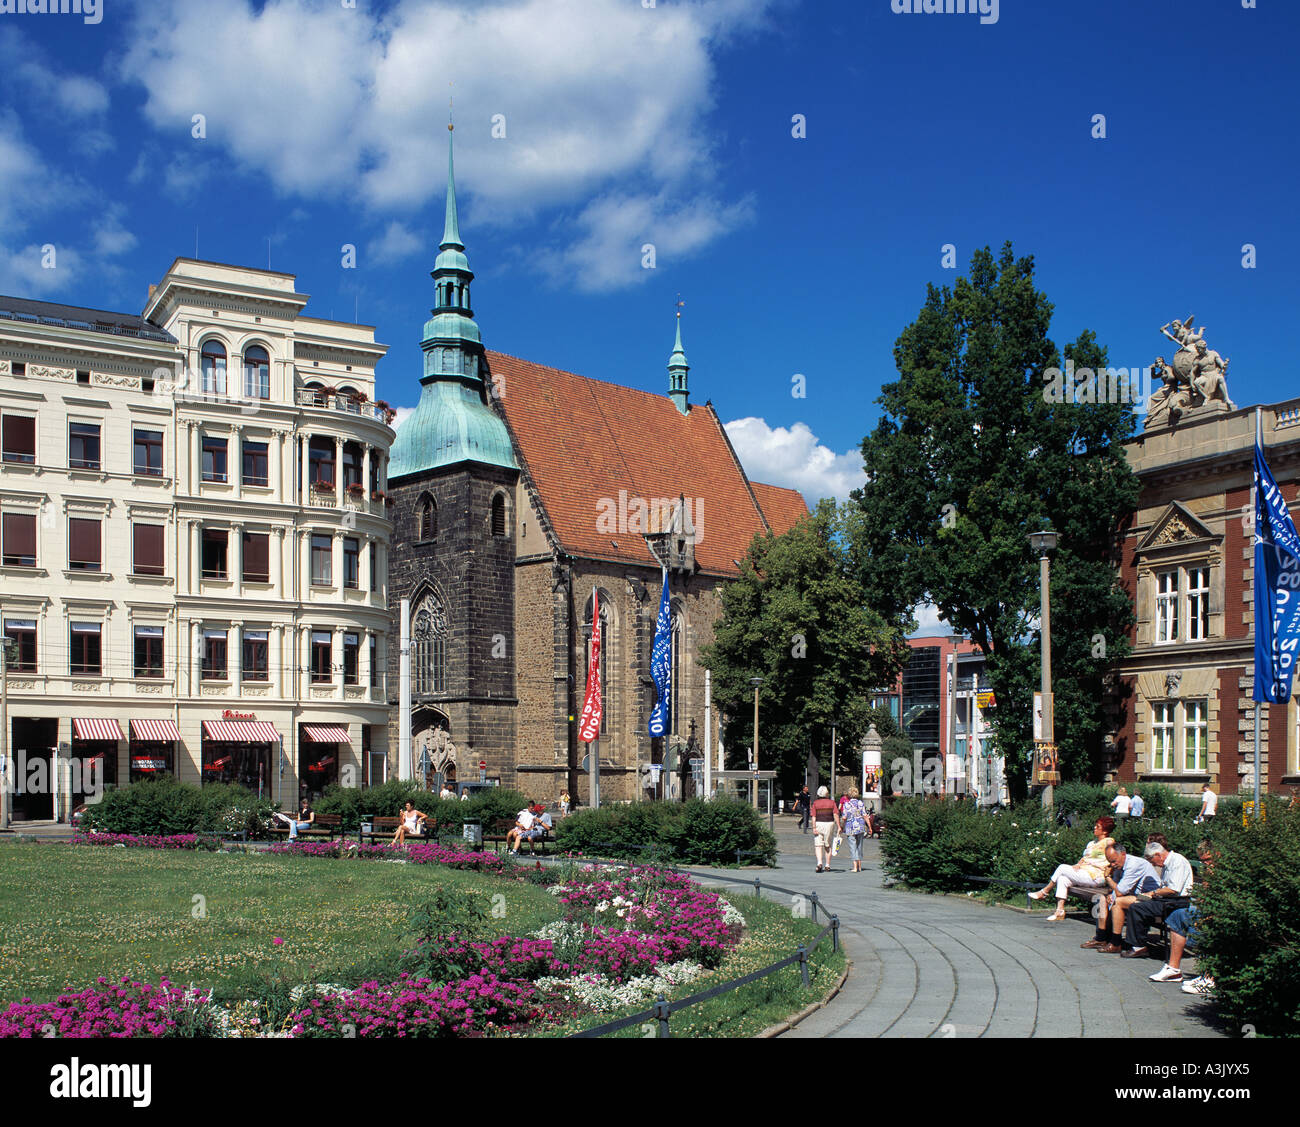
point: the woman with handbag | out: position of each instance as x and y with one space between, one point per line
826 823
855 826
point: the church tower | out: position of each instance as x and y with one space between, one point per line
677 369
452 476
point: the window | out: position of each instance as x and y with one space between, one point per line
320 459
429 647
351 651
255 651
148 452
1195 728
212 364
147 549
1167 606
320 657
23 633
255 463
214 655
257 373
1198 603
322 561
256 557
374 567
83 446
498 515
19 439
83 544
84 654
428 519
351 563
214 553
18 539
214 459
374 663
351 464
148 651
1162 736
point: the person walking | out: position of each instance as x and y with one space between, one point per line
802 806
1209 804
826 823
855 826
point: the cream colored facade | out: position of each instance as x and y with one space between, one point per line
272 602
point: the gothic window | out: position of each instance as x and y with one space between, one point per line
498 515
429 647
428 518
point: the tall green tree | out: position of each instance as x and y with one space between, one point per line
798 618
975 450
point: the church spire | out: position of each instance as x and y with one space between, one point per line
451 228
677 368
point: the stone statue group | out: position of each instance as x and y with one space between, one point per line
1196 380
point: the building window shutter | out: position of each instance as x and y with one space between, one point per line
83 546
257 557
18 533
19 438
147 549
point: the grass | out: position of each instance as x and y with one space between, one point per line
69 914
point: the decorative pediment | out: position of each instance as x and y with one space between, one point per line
1177 525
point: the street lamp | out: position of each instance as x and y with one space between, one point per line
1042 543
753 783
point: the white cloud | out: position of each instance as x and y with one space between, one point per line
110 237
929 621
601 97
794 458
45 89
22 272
403 413
397 242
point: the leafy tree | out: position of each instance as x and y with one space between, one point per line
969 457
797 617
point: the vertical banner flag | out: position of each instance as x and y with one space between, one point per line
589 727
661 671
1277 588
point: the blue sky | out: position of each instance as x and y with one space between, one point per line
672 125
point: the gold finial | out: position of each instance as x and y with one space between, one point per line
680 303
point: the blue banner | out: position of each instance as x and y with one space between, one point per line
661 670
1277 588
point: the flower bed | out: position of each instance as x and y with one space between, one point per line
141 841
125 1009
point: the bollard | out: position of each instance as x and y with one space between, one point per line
758 888
835 933
661 1012
813 897
803 966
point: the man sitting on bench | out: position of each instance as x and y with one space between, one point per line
1175 884
523 823
1129 875
541 828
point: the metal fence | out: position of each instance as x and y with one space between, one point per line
662 1010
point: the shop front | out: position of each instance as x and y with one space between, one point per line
153 749
93 766
240 749
320 748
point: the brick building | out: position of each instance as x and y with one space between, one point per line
519 490
1186 708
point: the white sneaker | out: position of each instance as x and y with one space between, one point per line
1167 974
1202 984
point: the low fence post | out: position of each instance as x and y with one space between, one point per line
813 897
758 888
803 966
661 1012
835 933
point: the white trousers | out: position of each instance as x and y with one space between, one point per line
1067 875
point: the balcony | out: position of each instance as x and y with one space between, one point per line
327 399
318 498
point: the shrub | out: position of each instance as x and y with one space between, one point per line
388 799
1248 929
709 833
165 807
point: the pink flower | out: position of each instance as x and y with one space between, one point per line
278 941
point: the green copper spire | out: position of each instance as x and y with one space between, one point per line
677 369
453 421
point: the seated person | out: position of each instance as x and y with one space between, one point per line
1090 870
412 824
1173 893
306 816
523 823
1129 875
542 826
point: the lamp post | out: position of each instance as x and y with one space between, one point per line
753 783
1042 543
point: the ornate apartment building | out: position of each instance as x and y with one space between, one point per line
194 538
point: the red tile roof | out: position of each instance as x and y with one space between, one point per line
783 507
592 449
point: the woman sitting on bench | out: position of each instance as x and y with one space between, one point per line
1090 870
412 823
306 816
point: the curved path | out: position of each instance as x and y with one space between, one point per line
927 966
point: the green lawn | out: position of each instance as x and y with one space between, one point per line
69 914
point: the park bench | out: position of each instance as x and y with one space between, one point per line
326 825
496 838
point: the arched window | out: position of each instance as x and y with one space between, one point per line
428 518
257 373
429 647
606 644
498 515
212 365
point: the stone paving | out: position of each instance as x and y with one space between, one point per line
945 966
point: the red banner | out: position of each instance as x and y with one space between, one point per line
589 727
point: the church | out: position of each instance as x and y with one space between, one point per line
520 492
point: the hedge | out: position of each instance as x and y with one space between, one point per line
696 832
166 807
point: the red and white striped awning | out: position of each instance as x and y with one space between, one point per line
93 728
241 731
325 734
162 730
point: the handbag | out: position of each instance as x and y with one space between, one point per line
835 845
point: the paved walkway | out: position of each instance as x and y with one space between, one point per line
949 967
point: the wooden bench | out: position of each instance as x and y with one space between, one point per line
501 829
325 825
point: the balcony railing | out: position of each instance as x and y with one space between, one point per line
327 399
